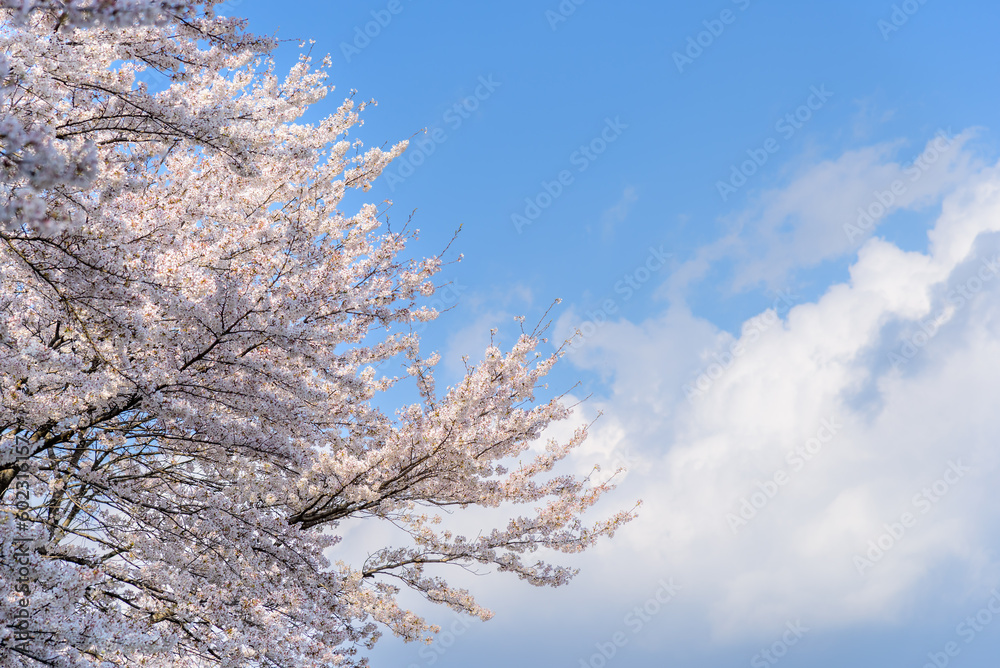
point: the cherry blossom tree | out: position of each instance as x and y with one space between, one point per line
194 345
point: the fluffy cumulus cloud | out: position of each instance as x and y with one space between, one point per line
838 459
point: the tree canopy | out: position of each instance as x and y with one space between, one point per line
193 339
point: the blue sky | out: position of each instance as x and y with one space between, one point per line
688 180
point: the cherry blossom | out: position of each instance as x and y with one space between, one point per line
194 344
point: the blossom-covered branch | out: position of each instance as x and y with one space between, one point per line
191 338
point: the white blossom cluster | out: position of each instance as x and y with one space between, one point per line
73 14
32 161
54 114
191 333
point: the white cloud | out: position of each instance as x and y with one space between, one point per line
815 217
885 433
899 427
